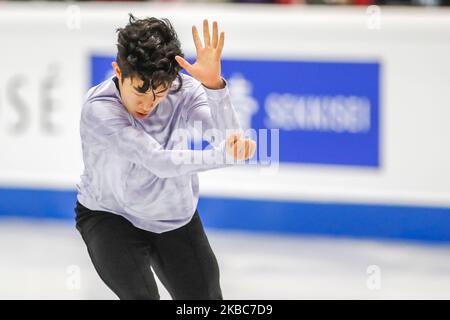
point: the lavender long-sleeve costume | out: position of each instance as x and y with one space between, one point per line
128 162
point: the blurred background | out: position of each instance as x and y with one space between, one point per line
351 195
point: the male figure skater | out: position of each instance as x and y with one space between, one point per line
137 207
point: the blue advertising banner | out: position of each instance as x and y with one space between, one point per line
326 112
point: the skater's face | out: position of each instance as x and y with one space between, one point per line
138 104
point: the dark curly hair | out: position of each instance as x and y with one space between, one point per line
146 49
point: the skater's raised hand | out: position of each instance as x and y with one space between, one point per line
206 68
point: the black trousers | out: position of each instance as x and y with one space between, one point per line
122 255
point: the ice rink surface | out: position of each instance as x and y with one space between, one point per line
45 259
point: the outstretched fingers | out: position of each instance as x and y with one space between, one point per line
221 43
215 39
216 42
184 63
206 35
196 37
